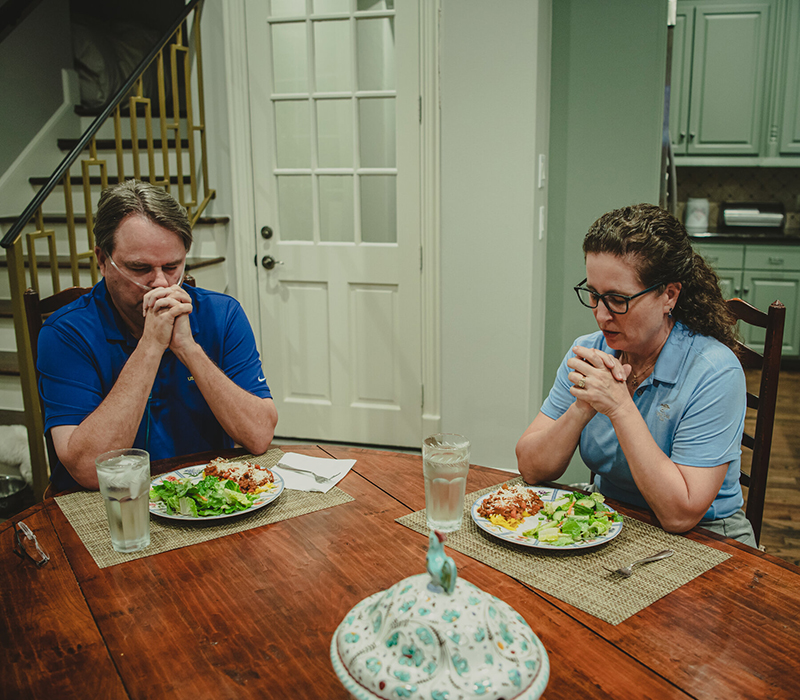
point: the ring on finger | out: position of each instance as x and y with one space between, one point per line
582 384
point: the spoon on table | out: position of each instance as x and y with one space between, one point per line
626 571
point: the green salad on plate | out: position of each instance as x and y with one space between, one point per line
573 517
209 496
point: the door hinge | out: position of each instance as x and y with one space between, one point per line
420 258
422 391
420 109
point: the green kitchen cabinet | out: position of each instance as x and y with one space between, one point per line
790 121
681 80
763 287
760 274
722 61
730 282
727 261
770 273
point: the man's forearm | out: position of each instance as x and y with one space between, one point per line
250 420
114 423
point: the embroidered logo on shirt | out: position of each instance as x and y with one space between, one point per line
262 379
663 411
190 378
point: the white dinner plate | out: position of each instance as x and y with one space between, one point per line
196 473
516 536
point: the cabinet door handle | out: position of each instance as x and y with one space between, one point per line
710 259
736 290
746 291
691 135
775 261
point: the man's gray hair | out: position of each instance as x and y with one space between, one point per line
136 197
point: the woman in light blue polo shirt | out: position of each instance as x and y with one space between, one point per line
656 398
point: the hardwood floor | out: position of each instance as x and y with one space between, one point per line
780 534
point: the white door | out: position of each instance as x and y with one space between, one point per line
334 90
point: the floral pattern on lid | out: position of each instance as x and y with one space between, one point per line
414 640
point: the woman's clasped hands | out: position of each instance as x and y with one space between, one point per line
599 380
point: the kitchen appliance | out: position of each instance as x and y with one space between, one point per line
743 217
697 209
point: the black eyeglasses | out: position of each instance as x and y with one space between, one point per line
615 303
39 557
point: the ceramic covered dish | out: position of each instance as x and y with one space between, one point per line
434 637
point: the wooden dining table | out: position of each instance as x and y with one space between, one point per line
252 614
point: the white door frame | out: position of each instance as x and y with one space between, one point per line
430 224
243 194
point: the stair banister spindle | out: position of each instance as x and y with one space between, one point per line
118 145
162 101
73 245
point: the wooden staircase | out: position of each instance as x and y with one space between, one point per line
58 218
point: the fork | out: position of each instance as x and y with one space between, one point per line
319 479
626 571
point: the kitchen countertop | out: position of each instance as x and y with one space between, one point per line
771 236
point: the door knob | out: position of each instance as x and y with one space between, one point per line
268 262
266 232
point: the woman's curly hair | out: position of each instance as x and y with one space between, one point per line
660 251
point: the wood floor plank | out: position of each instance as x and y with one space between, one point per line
781 529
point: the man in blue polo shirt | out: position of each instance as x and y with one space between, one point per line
141 360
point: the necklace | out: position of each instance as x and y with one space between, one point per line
633 378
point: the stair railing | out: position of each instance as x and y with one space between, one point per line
175 50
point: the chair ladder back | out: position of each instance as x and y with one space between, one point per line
33 316
765 403
36 310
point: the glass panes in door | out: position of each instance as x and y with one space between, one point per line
333 98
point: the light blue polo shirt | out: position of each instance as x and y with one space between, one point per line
84 346
694 405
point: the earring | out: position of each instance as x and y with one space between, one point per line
670 314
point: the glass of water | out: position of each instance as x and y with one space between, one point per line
124 477
445 464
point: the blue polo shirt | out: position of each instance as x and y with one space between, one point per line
84 346
694 405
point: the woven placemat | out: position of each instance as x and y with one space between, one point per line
86 513
579 577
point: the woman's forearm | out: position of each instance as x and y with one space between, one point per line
546 447
679 496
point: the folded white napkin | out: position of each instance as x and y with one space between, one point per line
332 470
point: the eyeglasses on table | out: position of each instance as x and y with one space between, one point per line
26 546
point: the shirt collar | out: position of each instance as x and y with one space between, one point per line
670 359
114 327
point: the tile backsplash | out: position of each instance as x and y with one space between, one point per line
741 185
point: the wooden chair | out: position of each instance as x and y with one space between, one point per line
36 311
769 363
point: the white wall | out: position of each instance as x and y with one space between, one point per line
494 112
607 100
38 52
31 59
